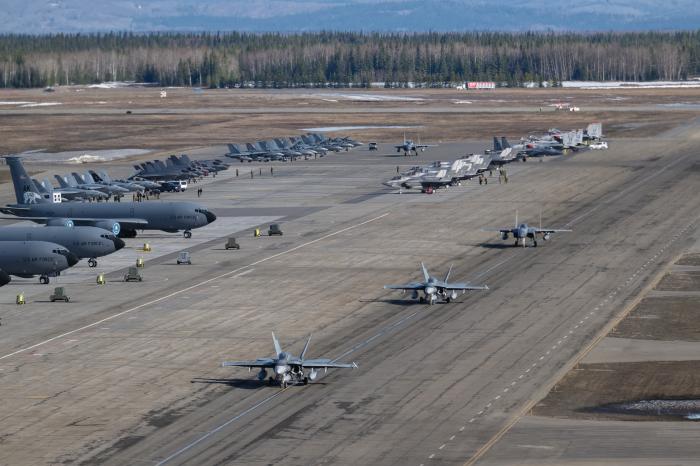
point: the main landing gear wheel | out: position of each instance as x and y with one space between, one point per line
516 243
44 280
283 384
187 234
447 300
306 380
534 243
92 262
421 300
270 381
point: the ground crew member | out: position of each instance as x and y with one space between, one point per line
397 169
236 171
481 180
251 174
272 173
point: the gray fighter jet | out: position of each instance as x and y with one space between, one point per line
122 219
434 288
70 187
103 177
85 242
409 146
86 182
288 369
27 259
522 232
47 190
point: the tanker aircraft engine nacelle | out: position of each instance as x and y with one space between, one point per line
109 225
60 222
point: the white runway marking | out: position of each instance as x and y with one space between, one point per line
184 290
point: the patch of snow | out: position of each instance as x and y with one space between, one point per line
628 84
95 156
367 97
12 102
462 102
87 158
42 104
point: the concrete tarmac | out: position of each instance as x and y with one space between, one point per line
130 373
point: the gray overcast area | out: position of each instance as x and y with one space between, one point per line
46 16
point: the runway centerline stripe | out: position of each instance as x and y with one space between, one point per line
191 287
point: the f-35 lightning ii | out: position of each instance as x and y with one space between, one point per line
288 369
434 288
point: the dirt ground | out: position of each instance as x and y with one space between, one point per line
587 388
667 318
680 281
91 119
592 386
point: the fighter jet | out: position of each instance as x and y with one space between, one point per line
86 182
103 177
122 219
71 188
409 146
27 259
235 152
288 369
502 153
287 146
47 190
84 242
434 288
521 232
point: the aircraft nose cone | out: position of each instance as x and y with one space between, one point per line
210 216
118 243
72 259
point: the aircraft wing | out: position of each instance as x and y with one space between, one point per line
77 220
500 230
463 286
265 362
324 363
550 230
407 286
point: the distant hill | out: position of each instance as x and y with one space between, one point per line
47 16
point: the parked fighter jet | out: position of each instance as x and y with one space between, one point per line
27 259
286 368
502 153
69 185
409 146
84 242
122 219
103 177
523 231
47 190
86 182
434 288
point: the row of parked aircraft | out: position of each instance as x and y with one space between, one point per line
285 149
79 230
441 174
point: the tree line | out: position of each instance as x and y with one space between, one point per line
344 58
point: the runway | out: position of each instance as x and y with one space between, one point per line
130 374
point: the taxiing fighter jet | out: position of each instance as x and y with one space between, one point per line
286 368
434 288
409 146
521 232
